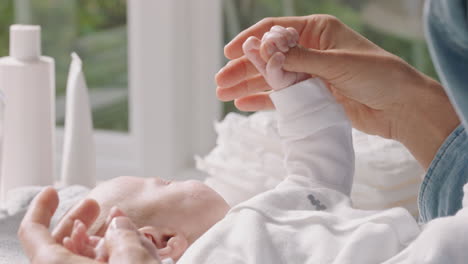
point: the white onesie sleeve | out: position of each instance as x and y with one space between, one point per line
316 137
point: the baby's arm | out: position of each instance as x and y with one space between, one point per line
314 129
316 136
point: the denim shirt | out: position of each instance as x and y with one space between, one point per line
446 28
441 192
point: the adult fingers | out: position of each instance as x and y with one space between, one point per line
254 103
233 49
113 213
252 86
42 207
37 242
33 231
124 244
86 211
330 65
235 72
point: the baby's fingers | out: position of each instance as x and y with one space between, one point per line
277 77
89 252
68 244
275 71
251 48
79 242
283 38
94 241
278 39
294 37
86 211
80 239
113 213
79 232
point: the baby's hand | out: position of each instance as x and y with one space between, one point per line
92 247
80 242
268 56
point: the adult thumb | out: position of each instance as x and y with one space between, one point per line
126 245
323 63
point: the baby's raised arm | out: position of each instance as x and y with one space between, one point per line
315 132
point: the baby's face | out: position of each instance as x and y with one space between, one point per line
187 206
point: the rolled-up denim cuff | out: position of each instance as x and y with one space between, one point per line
441 192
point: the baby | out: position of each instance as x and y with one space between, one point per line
172 215
147 201
307 218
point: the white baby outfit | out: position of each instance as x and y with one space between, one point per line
308 218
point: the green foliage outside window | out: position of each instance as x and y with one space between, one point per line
6 18
348 11
96 29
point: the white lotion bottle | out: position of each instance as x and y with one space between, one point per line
27 81
79 157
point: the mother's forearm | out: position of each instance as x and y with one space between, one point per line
425 121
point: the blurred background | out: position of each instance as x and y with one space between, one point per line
155 121
97 30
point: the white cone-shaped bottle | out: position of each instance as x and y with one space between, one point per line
27 81
79 161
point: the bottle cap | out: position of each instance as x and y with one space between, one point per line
25 42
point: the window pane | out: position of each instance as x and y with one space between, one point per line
96 30
394 25
6 9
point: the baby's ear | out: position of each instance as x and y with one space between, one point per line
169 243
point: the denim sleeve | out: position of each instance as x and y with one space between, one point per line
441 192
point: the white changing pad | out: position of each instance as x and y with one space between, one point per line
248 160
14 210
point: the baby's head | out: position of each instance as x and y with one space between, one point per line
172 214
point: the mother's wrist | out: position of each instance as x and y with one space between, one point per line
425 120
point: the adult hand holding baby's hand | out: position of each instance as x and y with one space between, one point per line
267 55
124 245
37 242
381 94
371 83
